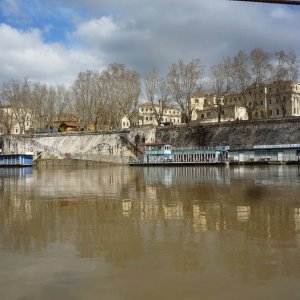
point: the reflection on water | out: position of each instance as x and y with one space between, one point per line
234 225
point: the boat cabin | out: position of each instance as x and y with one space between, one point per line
156 152
16 160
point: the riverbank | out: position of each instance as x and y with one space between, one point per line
120 146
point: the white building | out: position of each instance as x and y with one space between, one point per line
149 114
228 113
12 122
276 100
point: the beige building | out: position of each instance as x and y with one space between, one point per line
197 104
11 124
201 102
228 113
276 100
282 96
147 115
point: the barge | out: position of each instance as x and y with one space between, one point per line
163 154
16 160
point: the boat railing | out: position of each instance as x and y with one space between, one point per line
197 149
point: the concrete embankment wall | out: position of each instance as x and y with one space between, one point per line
234 134
111 147
118 147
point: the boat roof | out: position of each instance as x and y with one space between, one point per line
155 144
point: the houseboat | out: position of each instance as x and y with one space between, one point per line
266 154
16 160
166 155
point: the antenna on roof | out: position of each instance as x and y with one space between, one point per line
285 2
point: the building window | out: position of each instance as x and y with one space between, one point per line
277 112
270 112
16 130
208 114
196 101
202 116
147 119
261 102
270 101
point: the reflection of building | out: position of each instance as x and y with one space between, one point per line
186 175
297 219
199 219
173 211
243 212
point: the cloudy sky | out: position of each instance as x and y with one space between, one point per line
51 41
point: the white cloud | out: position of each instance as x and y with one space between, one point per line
140 34
158 33
24 54
104 28
10 7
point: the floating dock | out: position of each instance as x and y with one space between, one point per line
163 154
16 160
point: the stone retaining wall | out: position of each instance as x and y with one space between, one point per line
234 134
118 146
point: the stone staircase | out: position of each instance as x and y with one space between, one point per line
132 147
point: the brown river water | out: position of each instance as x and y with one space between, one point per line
150 233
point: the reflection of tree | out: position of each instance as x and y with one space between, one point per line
245 229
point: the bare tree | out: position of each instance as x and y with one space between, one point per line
183 81
221 83
285 69
249 75
7 119
241 78
16 94
63 102
122 90
157 94
261 67
86 96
